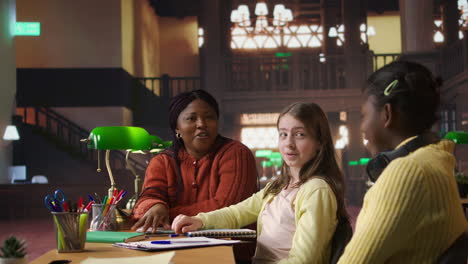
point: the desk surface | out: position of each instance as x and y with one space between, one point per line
219 254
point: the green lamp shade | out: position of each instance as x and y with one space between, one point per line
276 159
266 163
120 137
364 161
459 137
263 153
275 155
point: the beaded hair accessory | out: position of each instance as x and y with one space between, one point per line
390 87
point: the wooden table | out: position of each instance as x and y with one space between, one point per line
464 202
219 254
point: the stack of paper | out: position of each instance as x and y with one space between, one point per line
163 258
189 242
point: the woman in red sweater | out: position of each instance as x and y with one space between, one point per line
201 172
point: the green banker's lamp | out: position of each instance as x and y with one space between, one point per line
459 137
131 139
277 161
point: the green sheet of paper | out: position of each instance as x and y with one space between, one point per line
109 236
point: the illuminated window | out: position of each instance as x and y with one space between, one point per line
365 141
343 139
259 119
294 36
343 116
463 7
366 32
200 37
260 137
439 36
259 131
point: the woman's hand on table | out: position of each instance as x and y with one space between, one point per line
183 224
155 216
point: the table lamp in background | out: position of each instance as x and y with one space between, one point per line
459 137
277 161
263 154
132 139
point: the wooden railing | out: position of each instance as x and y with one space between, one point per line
381 59
168 86
271 73
291 73
453 59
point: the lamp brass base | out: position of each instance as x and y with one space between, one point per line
123 219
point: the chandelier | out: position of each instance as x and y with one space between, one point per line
281 16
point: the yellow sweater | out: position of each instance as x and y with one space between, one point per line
412 213
315 218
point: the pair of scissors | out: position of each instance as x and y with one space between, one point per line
57 202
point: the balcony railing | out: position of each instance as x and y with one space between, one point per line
381 59
290 73
454 59
168 86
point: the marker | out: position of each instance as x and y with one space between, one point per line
80 204
65 206
88 206
104 201
167 242
174 235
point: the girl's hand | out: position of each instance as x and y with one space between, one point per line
183 224
156 215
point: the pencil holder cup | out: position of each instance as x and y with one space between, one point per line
103 218
70 231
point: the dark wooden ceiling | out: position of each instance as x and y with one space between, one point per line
176 8
182 8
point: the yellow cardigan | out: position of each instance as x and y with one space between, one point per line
412 213
315 218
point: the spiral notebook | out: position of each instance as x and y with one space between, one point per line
220 233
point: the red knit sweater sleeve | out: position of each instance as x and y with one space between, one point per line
237 174
155 187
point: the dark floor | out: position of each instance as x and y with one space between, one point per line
40 238
38 234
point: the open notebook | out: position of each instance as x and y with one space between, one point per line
176 243
222 233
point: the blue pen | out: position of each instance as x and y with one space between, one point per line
173 235
161 242
166 242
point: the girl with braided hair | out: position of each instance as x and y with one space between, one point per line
201 172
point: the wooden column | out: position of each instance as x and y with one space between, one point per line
354 76
329 18
7 81
211 63
450 16
352 44
417 25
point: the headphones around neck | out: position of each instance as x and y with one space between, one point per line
380 161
